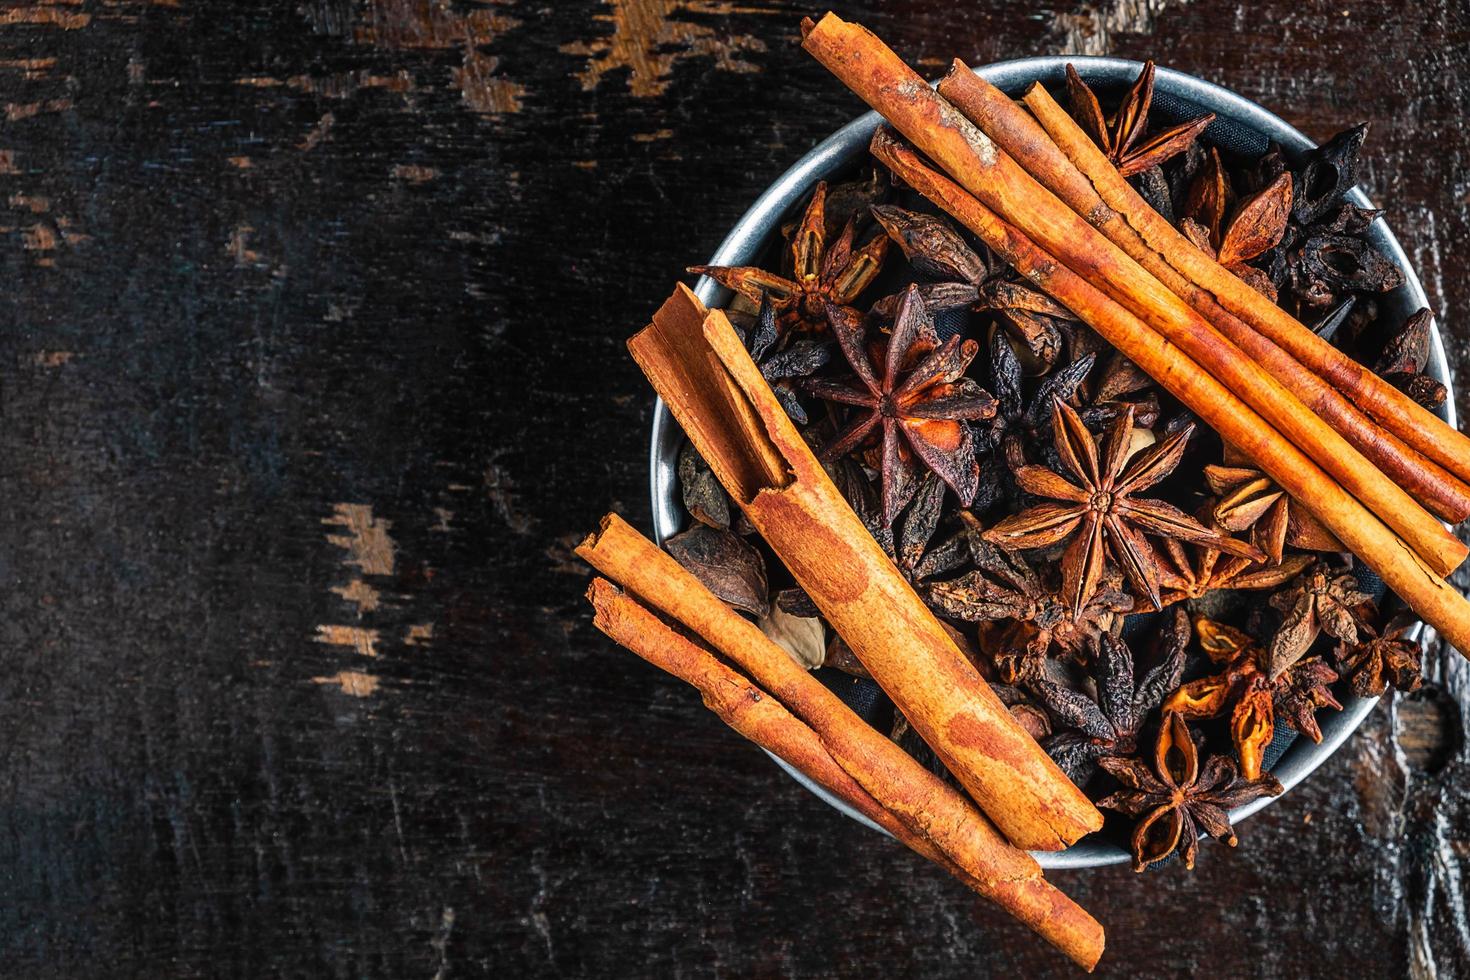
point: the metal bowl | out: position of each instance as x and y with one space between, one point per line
848 146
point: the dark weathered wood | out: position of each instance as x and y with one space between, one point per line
313 371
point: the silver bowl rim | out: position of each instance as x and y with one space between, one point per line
844 147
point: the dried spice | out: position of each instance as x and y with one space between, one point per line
1103 510
802 637
1031 716
823 273
1110 724
1019 518
1331 171
1383 660
1249 500
1258 226
786 366
1035 621
704 498
1249 693
917 400
1404 358
1018 420
1175 798
727 566
1122 137
1209 198
1195 570
1322 600
963 279
1118 385
921 519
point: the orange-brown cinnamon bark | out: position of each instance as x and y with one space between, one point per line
948 831
880 77
1415 425
695 361
1020 135
1435 600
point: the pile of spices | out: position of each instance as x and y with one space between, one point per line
1059 462
1048 499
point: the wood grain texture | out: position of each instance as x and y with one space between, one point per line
312 375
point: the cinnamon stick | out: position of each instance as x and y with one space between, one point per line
880 781
1407 419
697 364
1430 596
868 67
1031 146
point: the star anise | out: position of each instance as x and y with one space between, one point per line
1308 688
1016 417
1109 725
1251 695
1121 137
1322 600
785 367
916 387
1029 620
1403 360
1249 499
965 280
1383 660
823 274
1176 798
1102 510
1257 227
913 553
1196 569
1118 384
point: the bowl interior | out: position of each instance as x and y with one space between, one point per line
1241 125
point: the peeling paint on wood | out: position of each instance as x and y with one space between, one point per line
351 682
355 638
413 173
318 133
52 358
52 15
1093 27
360 594
16 111
366 541
436 24
647 40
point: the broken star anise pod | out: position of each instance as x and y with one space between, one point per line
1383 659
914 393
785 367
823 274
1257 227
1029 620
1321 600
1196 569
965 280
1404 357
1250 499
1018 421
1121 138
1176 798
1251 695
1110 725
1102 510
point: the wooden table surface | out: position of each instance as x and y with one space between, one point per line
311 376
